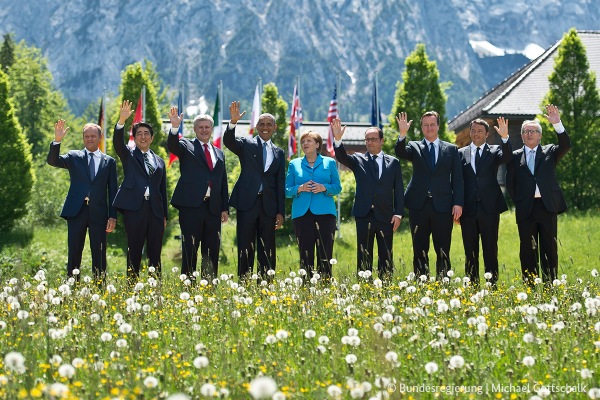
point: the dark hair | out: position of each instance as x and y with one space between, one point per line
431 114
142 124
379 130
480 121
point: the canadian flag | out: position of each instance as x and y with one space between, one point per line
255 111
136 118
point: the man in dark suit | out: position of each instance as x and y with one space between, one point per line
531 183
201 194
87 206
435 194
258 194
484 201
379 199
142 196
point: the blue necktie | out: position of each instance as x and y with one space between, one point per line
92 167
264 151
531 161
432 157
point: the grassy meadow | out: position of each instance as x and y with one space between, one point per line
352 337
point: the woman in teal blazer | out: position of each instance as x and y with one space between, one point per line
311 182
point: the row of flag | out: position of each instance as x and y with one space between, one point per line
295 119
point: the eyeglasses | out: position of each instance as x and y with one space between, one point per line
371 140
530 132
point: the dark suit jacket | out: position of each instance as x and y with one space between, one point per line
446 179
195 176
520 182
106 178
484 184
244 193
385 193
131 192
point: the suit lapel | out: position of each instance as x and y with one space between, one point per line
102 163
137 153
199 152
539 155
385 165
468 157
370 167
218 156
86 165
483 161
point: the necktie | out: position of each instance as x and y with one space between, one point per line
92 167
531 161
148 165
376 166
208 160
432 157
477 159
264 151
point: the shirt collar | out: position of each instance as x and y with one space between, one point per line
474 148
263 142
95 153
528 150
202 143
436 142
379 155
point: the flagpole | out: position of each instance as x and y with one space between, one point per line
377 100
220 116
260 96
337 91
104 118
297 133
144 103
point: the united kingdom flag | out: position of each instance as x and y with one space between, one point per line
295 123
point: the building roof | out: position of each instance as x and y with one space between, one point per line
521 94
354 134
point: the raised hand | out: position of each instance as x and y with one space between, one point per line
336 127
125 112
502 127
403 124
175 118
234 111
59 130
553 115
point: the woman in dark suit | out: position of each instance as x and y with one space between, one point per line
311 182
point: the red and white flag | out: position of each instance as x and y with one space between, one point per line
333 113
255 111
295 124
136 118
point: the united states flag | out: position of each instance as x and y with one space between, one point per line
295 124
333 113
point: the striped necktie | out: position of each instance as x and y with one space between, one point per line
148 165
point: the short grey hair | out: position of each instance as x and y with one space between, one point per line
534 122
203 117
268 116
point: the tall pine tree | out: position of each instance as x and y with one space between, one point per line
274 104
573 90
17 177
7 53
419 92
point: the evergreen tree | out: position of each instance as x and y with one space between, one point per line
419 92
274 104
7 53
573 90
17 177
36 103
132 80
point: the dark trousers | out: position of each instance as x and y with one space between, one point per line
428 222
256 229
539 231
318 231
486 225
142 226
199 225
367 228
78 226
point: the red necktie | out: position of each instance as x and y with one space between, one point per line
208 159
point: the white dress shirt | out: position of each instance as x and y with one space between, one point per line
213 158
474 153
527 155
97 157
